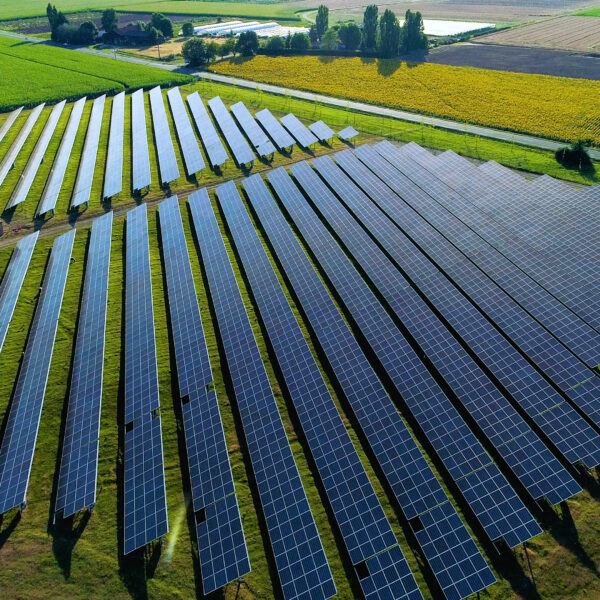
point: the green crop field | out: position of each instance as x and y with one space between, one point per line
39 72
592 12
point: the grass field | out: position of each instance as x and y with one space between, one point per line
592 12
553 107
38 72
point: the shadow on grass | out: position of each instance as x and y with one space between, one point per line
65 535
7 529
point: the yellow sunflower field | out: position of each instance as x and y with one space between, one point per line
554 107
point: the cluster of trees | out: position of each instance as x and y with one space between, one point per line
65 33
197 52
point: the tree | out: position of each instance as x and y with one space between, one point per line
187 29
247 43
163 24
330 40
212 49
110 20
275 44
313 35
389 34
369 33
288 40
55 19
299 41
87 33
322 21
154 35
227 47
350 36
413 37
195 52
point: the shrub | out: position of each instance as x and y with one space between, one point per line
187 29
275 44
299 41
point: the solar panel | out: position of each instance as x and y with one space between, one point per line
210 138
299 557
498 509
20 434
360 517
299 131
222 546
8 123
283 140
140 168
347 133
113 174
167 162
8 161
13 280
545 351
145 511
256 135
444 540
322 131
544 405
192 157
238 145
87 164
79 462
537 468
59 167
35 160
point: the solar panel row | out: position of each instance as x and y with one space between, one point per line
222 546
299 557
141 177
322 131
238 145
8 123
299 131
8 161
453 557
499 510
540 472
363 525
12 281
59 167
87 164
145 510
347 134
251 128
37 156
210 138
283 140
167 162
20 434
113 174
192 157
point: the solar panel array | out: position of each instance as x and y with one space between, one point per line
444 540
238 145
9 159
87 164
222 546
192 157
79 462
210 138
364 527
145 510
12 280
299 557
167 162
8 123
283 140
141 177
347 133
59 166
322 131
304 136
255 134
113 175
35 160
20 434
499 510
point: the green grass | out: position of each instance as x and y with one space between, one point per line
42 73
592 12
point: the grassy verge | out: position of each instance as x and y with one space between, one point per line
592 12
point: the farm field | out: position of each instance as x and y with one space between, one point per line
575 33
558 108
40 72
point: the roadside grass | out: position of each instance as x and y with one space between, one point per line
592 12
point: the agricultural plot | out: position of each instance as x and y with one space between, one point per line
554 107
580 34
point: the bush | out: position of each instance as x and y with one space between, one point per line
574 156
299 41
275 44
227 47
187 29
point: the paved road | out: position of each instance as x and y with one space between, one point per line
455 126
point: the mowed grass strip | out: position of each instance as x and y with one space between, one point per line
33 73
552 107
